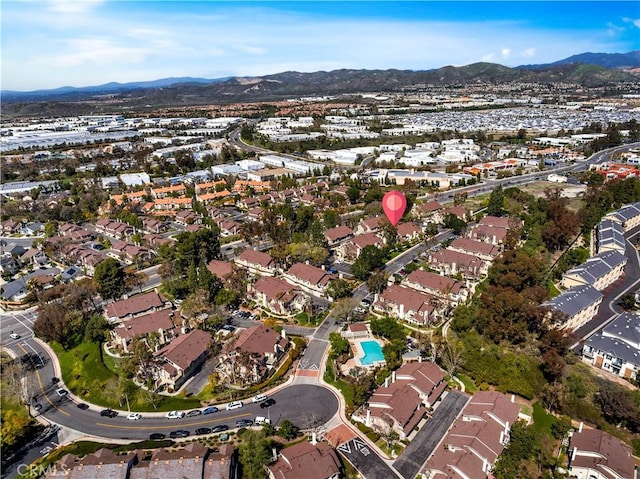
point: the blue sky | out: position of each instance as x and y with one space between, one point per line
54 43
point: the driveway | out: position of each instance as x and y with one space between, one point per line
366 461
424 443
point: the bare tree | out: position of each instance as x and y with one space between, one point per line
452 357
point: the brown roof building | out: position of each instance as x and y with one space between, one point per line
309 278
136 306
596 454
253 353
257 262
437 285
102 464
177 361
222 269
482 250
160 322
477 438
307 461
406 304
401 403
337 234
450 263
278 296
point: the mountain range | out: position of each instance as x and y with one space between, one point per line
586 69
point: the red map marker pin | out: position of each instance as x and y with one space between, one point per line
394 203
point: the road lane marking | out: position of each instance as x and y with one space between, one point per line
168 424
43 391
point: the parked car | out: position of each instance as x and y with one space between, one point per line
108 413
268 403
174 415
82 406
156 436
260 420
55 380
210 410
134 416
332 271
219 428
194 413
62 392
13 335
244 423
178 433
234 405
37 406
259 398
203 430
46 450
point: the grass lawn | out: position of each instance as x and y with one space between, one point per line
542 421
345 388
84 372
469 385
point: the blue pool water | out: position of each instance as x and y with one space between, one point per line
372 353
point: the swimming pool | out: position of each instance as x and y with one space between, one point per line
372 353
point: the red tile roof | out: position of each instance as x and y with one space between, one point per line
185 349
136 304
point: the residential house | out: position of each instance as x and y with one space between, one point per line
437 285
350 250
161 322
182 462
222 464
408 232
187 217
505 222
617 347
152 225
476 440
404 399
257 262
432 211
34 257
278 296
450 263
222 269
74 233
337 235
610 236
114 228
599 271
9 227
407 305
180 359
578 305
484 251
102 464
488 234
137 305
308 461
595 454
459 211
628 216
253 354
309 278
369 225
166 191
228 227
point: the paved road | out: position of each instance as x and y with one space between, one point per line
424 443
366 461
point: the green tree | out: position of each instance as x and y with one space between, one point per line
288 430
110 279
339 288
339 345
254 454
370 258
495 206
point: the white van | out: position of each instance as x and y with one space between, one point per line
234 405
260 420
259 398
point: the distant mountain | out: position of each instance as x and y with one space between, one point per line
606 60
12 95
179 92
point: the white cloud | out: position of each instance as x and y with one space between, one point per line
506 52
528 53
73 6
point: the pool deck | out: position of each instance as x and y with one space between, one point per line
358 354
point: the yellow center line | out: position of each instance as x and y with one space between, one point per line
169 423
42 387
